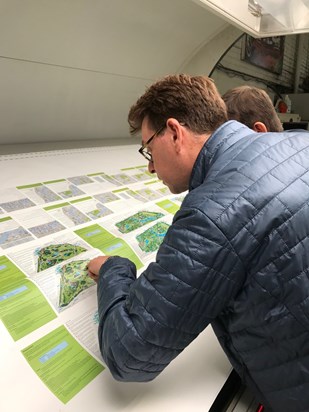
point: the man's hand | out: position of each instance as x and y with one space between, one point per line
94 267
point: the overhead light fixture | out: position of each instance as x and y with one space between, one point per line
263 18
254 8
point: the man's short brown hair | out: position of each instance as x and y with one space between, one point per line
192 100
249 105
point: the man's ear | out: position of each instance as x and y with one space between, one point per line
260 127
175 128
176 134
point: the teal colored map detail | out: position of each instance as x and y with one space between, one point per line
53 254
151 239
138 220
74 279
95 318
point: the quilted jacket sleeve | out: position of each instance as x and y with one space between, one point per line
146 322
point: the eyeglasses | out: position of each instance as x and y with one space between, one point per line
144 150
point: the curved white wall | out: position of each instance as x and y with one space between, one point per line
71 69
208 56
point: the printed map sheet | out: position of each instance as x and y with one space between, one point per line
49 231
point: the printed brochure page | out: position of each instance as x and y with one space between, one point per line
57 213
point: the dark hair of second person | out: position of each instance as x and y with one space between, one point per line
253 107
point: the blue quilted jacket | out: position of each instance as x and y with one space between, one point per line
235 257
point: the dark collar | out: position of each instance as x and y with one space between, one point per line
221 139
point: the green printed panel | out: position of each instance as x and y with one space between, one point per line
54 181
128 168
4 219
123 189
56 206
110 245
8 271
29 186
23 308
81 200
169 206
95 174
152 182
62 363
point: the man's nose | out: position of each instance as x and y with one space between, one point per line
151 168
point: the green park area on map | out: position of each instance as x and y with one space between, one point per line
151 239
137 220
51 255
74 279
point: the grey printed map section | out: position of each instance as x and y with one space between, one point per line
16 205
14 237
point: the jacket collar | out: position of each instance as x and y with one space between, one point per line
222 138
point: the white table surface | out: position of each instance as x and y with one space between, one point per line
190 383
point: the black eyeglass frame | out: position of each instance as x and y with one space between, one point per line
142 149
